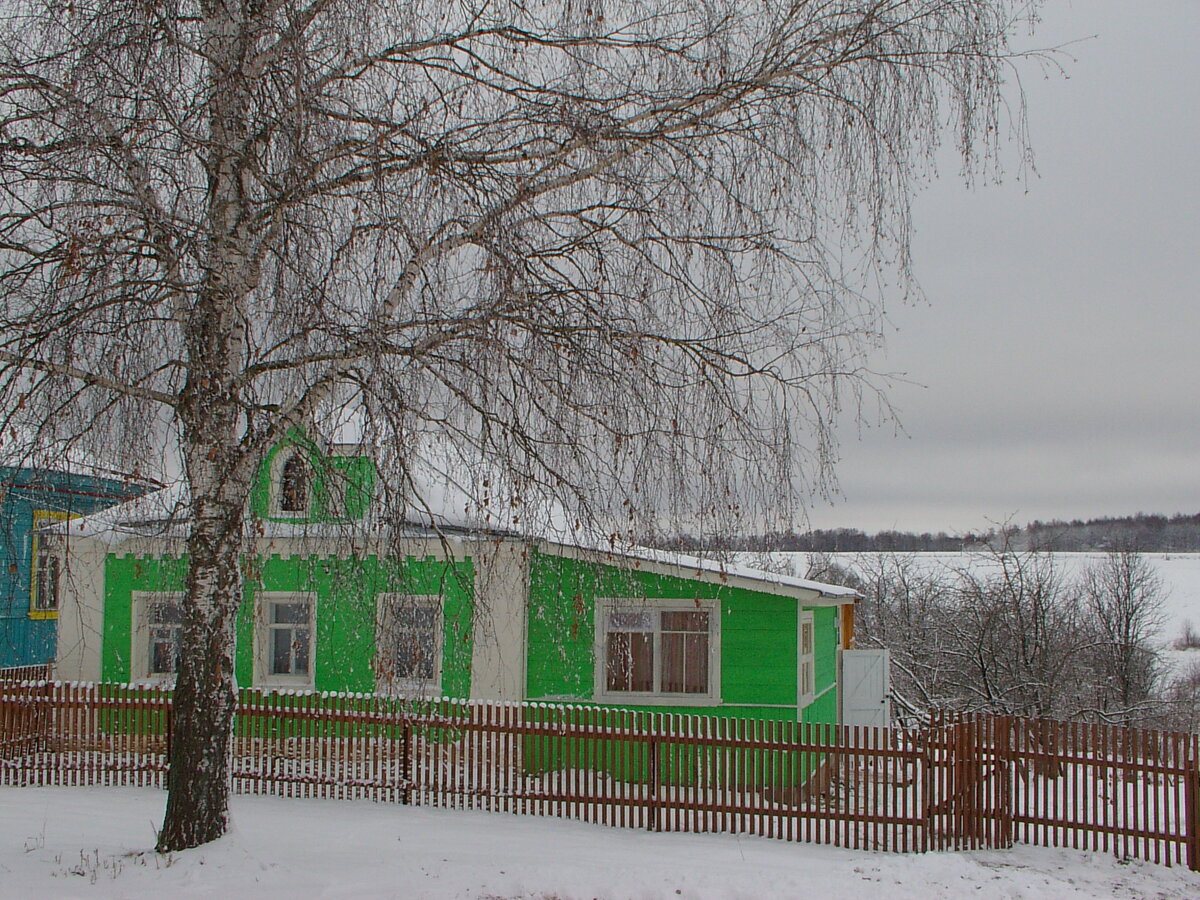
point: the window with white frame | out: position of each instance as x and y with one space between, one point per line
291 483
806 669
665 650
285 640
408 656
158 635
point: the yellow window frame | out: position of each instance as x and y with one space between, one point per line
41 518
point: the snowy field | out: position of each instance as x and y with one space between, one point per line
95 843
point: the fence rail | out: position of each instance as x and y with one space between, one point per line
37 672
955 782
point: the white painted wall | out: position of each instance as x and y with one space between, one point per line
501 599
81 609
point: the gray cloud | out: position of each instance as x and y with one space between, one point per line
1058 351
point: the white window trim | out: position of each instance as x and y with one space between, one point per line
262 640
803 660
140 651
281 459
410 687
657 698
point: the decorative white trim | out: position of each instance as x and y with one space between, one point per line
806 667
606 605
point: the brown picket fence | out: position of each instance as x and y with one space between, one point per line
955 782
36 672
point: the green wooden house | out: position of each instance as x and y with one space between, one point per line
335 601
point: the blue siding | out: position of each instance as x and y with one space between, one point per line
25 640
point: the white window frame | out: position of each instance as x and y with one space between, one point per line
263 640
281 459
140 668
606 606
407 687
806 668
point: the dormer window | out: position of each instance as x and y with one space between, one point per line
294 484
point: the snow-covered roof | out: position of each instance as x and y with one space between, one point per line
635 555
445 496
720 568
157 514
165 514
438 507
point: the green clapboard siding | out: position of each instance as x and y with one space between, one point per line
342 486
345 589
758 638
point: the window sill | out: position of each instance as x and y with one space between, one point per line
155 682
276 686
43 614
657 699
409 691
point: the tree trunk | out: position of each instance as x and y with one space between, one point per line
219 469
205 693
219 474
205 689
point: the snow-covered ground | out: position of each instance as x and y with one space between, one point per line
95 843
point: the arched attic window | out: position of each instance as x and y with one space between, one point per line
294 484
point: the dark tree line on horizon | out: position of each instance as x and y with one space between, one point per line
1146 532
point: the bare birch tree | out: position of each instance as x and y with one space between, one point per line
629 255
1125 595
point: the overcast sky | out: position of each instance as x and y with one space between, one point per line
1057 357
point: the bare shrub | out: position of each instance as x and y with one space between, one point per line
1189 639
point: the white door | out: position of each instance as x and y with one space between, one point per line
866 678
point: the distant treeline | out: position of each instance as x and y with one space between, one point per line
1149 533
1145 532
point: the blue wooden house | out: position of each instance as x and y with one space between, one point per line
30 579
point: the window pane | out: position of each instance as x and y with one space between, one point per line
164 650
293 485
409 640
166 612
289 613
631 620
696 664
629 661
685 621
672 663
47 581
806 679
685 662
806 638
415 618
300 651
412 654
281 651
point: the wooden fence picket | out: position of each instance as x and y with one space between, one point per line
957 781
